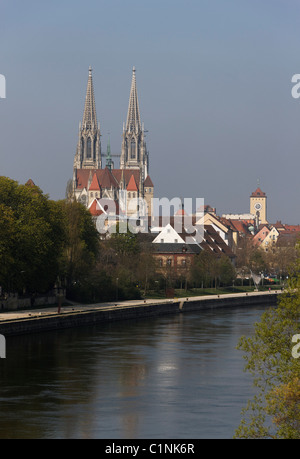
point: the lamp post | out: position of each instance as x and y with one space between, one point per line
59 295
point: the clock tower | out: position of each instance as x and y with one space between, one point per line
258 206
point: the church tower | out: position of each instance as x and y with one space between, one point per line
258 206
134 154
88 153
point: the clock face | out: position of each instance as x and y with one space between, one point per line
257 206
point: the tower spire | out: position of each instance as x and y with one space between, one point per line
134 153
133 123
88 154
89 120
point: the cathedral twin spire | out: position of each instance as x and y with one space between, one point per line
133 154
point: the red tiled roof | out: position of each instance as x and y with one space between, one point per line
94 186
126 174
292 228
30 182
95 208
180 212
107 180
258 192
132 186
240 226
104 176
148 181
82 176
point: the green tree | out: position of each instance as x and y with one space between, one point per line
207 270
32 237
257 262
227 271
274 410
203 269
81 248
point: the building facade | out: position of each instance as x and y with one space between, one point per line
129 187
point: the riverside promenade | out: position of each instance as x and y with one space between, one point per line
66 316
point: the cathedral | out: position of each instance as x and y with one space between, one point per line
97 184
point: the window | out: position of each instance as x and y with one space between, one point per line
95 148
89 148
169 261
129 194
160 262
132 149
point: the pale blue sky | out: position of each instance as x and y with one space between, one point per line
214 86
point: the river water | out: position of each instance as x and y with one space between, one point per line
170 377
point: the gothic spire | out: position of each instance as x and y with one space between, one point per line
133 123
88 153
89 120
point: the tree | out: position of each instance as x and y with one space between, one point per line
32 237
128 259
227 271
81 245
203 269
274 411
207 269
257 261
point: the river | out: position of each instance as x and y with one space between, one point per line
168 377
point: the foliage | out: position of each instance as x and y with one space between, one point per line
81 243
208 270
127 258
32 236
274 411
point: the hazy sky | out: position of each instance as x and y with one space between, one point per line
214 87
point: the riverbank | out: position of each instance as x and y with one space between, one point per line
54 318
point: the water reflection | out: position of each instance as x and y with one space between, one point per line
166 377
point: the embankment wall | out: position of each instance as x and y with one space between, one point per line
89 316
